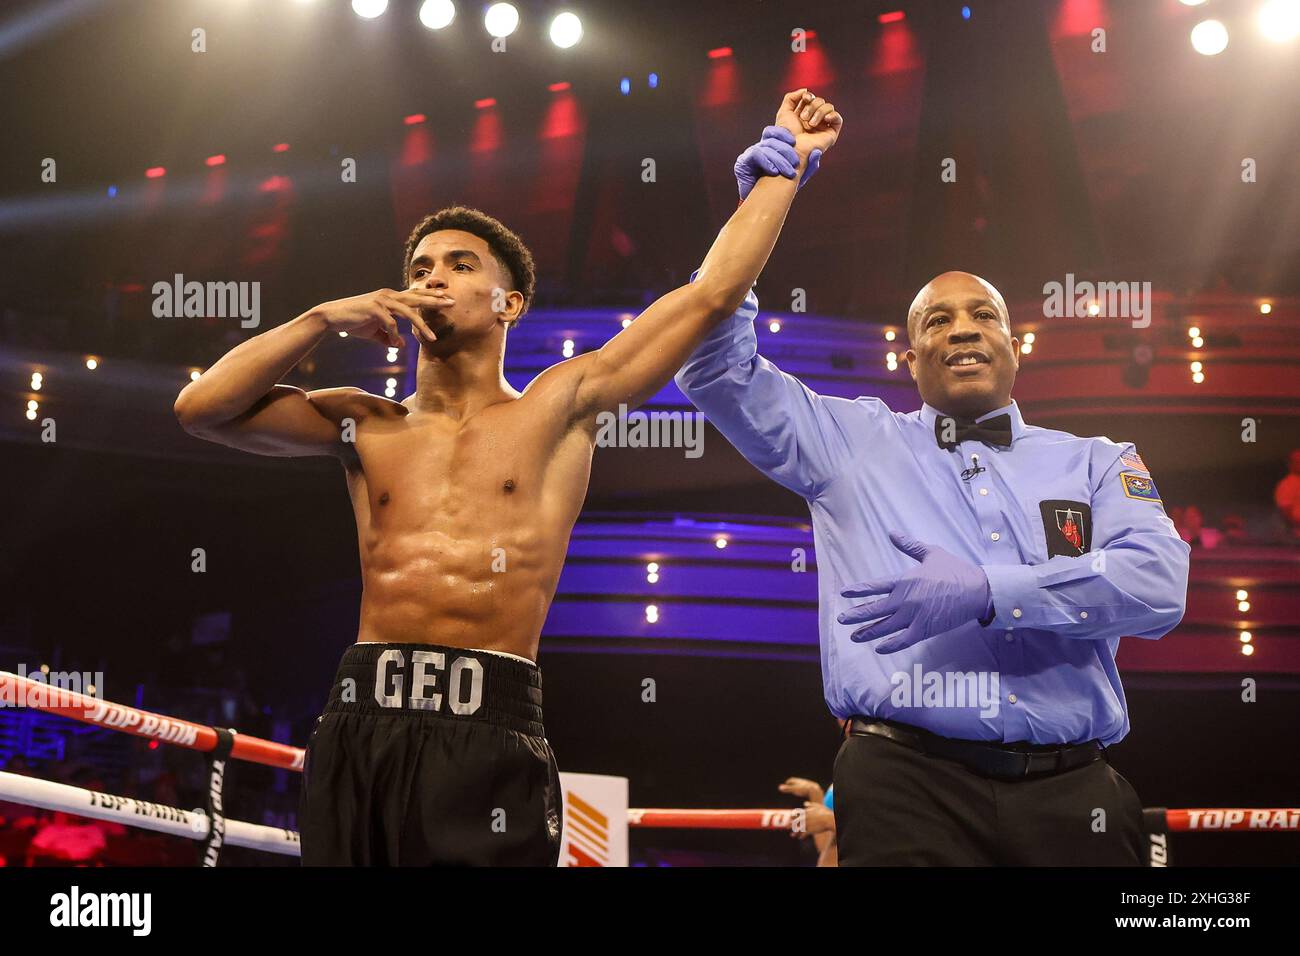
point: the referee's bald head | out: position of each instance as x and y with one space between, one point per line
961 351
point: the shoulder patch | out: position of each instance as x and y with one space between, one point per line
1134 460
1139 486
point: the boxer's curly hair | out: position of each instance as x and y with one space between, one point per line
508 249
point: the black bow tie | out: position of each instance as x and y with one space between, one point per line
991 431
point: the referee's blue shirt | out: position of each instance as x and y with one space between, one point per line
1070 531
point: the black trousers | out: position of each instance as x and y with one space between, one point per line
430 756
895 806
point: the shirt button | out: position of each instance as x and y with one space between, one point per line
1084 615
984 491
1011 697
995 536
1015 612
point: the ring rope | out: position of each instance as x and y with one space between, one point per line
171 730
193 825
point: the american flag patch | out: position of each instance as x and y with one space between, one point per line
1134 460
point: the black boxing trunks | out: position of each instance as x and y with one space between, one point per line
430 756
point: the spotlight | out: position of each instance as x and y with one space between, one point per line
1242 594
1198 377
1248 649
390 383
436 14
1265 308
92 363
1194 332
891 358
1279 20
1197 342
719 53
1026 348
626 322
1029 338
1094 309
369 9
625 86
652 81
1197 366
567 349
1246 637
566 30
719 542
651 613
652 567
194 374
1209 37
1243 606
501 19
392 355
890 336
774 326
155 172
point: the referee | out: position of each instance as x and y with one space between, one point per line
976 576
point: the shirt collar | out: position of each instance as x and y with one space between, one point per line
929 414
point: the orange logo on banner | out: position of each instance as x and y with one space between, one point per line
588 832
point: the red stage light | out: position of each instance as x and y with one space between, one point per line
280 148
558 87
891 17
414 119
719 53
156 172
218 160
484 103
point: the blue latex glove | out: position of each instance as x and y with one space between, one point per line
943 592
772 155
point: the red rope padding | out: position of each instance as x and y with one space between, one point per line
1176 821
717 819
23 691
1232 819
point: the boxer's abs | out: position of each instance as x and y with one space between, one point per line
463 543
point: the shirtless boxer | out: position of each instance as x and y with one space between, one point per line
431 749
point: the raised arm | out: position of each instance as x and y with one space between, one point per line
641 359
237 402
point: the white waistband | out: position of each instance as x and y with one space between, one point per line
515 657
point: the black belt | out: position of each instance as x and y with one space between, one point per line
988 759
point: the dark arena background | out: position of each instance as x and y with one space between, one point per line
1092 141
